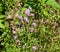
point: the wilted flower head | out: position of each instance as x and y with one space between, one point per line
13 28
31 29
13 31
30 8
27 12
17 42
33 24
15 37
26 20
20 17
34 48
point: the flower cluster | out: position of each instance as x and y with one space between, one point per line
20 20
26 20
15 37
27 12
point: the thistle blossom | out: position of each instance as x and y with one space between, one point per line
20 17
27 12
26 20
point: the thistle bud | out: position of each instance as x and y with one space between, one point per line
27 12
26 20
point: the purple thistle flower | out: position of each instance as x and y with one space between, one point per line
30 8
20 17
33 24
27 12
34 48
32 15
26 20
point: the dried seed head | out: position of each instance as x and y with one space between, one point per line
17 42
9 17
16 15
26 20
31 29
13 28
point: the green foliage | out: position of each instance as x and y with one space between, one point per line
53 3
1 24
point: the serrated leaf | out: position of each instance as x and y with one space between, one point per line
2 16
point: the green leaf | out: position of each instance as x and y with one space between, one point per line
53 4
45 12
1 25
2 16
0 7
